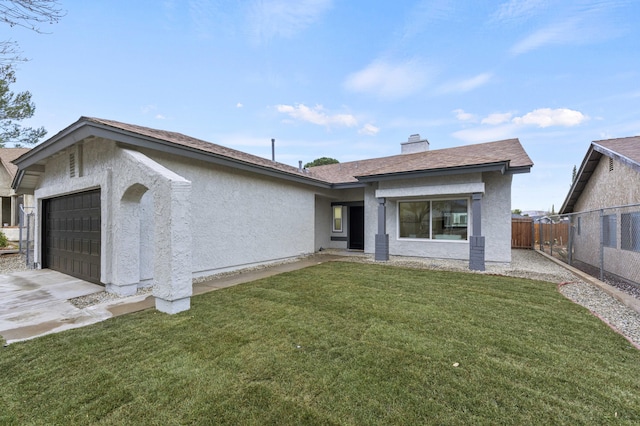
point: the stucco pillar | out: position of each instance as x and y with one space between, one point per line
382 238
126 268
172 264
476 240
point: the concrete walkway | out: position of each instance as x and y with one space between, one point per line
34 303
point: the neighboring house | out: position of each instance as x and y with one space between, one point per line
10 200
609 178
129 206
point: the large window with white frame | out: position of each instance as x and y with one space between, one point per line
434 219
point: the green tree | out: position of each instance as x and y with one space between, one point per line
15 107
516 211
574 174
322 161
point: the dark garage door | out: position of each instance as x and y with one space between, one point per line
71 235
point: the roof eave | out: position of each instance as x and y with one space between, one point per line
83 129
580 181
501 167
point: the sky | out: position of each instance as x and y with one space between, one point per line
349 79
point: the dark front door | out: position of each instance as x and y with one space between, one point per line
71 235
355 235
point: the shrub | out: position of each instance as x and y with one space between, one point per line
3 240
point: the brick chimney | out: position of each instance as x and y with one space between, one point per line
414 144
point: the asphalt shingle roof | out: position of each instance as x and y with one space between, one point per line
627 147
509 150
506 151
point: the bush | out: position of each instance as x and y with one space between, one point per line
3 240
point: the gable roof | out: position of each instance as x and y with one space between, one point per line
7 155
506 156
625 150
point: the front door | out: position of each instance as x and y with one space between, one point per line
355 234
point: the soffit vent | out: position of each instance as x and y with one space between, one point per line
72 164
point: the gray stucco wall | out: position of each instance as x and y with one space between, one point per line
241 219
606 188
496 215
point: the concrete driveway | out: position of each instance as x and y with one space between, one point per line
34 303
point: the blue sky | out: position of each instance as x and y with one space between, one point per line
349 79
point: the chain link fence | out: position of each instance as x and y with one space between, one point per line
27 224
604 243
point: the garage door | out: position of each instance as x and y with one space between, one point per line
71 235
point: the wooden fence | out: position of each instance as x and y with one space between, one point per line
552 233
522 233
526 234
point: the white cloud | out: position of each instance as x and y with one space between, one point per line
389 80
160 117
466 85
547 117
369 130
497 118
239 105
283 18
485 134
464 116
317 115
516 10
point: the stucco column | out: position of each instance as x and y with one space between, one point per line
476 240
14 210
382 238
172 264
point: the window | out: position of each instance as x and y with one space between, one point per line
337 218
609 224
433 219
630 235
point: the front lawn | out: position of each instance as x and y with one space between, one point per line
338 343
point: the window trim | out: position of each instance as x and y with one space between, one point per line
468 224
630 240
340 209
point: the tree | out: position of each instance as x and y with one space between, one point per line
321 162
574 174
516 211
30 13
15 107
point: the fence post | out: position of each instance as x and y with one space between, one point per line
570 242
601 244
533 235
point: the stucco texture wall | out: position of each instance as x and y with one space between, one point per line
241 219
606 188
496 215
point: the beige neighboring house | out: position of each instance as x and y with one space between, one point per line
11 201
603 204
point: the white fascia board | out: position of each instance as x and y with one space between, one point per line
434 190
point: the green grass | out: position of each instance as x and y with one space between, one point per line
338 343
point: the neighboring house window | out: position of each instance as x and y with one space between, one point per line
609 224
630 227
337 218
433 219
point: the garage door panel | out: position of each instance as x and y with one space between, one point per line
71 235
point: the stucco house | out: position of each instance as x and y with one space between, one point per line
129 206
10 200
604 207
